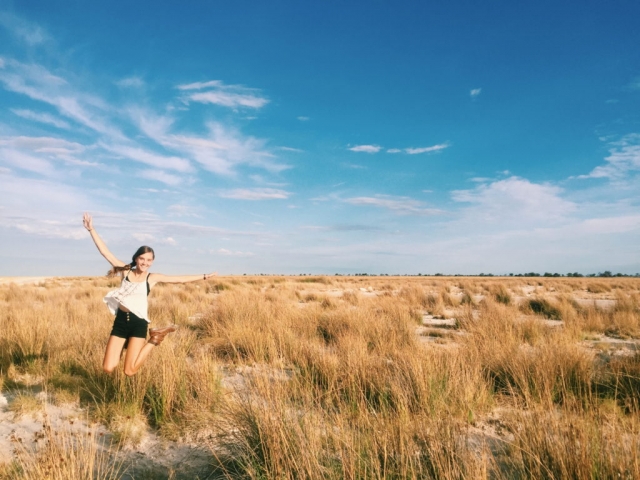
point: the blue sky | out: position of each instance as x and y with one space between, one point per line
321 137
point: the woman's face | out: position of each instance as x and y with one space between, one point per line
144 262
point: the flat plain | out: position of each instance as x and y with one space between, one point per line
288 377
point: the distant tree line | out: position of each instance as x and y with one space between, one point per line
605 274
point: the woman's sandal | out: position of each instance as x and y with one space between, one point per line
162 330
156 335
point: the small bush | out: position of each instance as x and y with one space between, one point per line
598 288
542 306
502 295
323 280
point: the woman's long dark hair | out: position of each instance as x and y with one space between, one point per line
141 251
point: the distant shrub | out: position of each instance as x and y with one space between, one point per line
542 306
323 280
501 295
598 288
218 287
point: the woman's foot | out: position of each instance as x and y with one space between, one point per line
162 330
157 340
156 335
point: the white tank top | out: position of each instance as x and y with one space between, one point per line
131 295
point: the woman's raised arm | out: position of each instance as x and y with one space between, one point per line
87 221
160 278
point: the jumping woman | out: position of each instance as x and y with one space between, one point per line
130 307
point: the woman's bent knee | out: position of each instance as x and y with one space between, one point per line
108 369
130 372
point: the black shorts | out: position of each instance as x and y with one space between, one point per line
128 325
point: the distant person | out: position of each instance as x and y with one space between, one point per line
129 304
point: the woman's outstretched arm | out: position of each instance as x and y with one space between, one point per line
87 221
160 278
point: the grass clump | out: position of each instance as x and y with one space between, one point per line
542 306
26 404
65 454
598 287
501 295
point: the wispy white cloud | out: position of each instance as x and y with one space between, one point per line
224 149
161 176
366 148
399 205
41 117
143 237
221 151
46 145
37 83
201 85
432 149
27 32
228 99
43 152
154 126
256 194
260 180
23 161
149 238
346 227
180 210
303 119
515 201
51 229
608 225
354 166
231 253
42 206
150 158
232 96
475 92
624 158
409 151
130 82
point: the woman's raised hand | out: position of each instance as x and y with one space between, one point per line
87 221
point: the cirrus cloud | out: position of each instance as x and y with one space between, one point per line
366 148
255 194
399 205
624 157
216 92
432 149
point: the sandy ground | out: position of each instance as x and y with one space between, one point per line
152 457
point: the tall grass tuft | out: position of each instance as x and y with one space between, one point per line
65 454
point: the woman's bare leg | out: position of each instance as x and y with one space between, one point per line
137 352
113 353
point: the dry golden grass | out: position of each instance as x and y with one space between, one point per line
63 454
326 377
